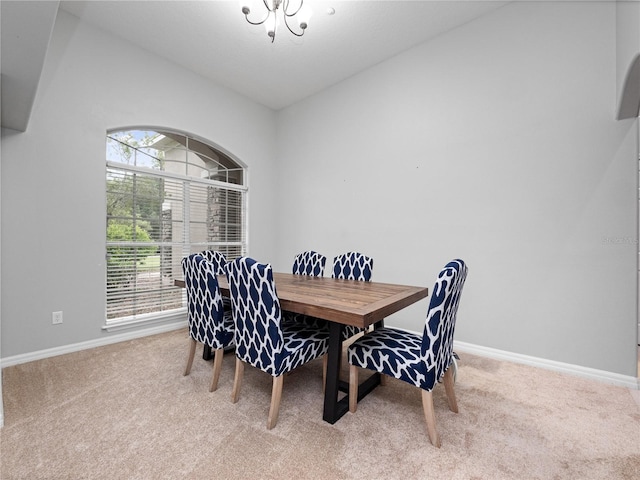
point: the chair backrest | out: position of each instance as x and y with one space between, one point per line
437 339
309 263
256 313
217 258
353 266
205 311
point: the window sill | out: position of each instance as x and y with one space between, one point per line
178 315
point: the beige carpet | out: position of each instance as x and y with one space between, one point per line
126 412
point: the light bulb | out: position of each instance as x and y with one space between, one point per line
303 16
270 24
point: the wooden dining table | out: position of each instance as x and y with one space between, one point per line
341 302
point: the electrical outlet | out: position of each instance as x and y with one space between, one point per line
56 318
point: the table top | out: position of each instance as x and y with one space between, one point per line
348 302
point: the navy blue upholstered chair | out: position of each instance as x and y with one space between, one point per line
309 263
420 360
312 264
209 323
261 339
219 262
218 259
352 266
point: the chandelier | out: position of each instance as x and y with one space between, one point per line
272 19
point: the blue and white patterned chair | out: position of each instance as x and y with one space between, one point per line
352 266
217 258
219 262
420 360
309 263
209 323
312 264
261 339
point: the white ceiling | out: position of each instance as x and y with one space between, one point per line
213 39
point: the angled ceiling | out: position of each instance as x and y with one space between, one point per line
26 29
213 39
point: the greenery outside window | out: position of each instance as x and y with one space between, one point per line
168 195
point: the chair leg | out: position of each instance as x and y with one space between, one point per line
276 395
218 354
237 380
353 388
448 386
192 352
430 417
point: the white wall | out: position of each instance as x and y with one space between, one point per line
1 402
53 176
496 143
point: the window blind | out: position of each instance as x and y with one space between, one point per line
154 219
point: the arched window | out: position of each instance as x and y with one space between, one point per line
168 195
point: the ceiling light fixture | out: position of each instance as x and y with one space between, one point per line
272 20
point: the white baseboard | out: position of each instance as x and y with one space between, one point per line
99 342
576 370
591 373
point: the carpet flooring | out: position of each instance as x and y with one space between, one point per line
125 411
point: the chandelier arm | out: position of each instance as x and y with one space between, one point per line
274 9
286 5
246 16
246 12
289 28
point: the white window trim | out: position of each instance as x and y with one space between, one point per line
178 315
